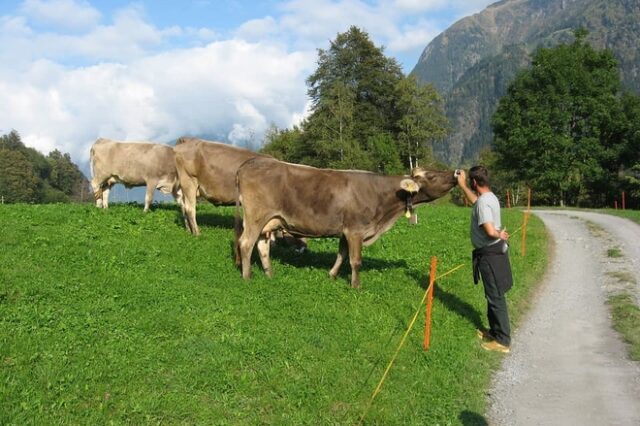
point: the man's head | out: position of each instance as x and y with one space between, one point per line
479 177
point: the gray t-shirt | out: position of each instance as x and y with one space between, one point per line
486 209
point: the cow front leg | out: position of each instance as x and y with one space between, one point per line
264 244
355 259
177 195
342 253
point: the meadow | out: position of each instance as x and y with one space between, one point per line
122 317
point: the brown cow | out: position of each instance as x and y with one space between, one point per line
208 169
356 206
132 164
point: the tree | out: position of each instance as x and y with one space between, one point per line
29 176
355 64
421 119
18 182
556 126
364 113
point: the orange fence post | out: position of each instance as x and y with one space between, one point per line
623 201
529 200
508 200
427 323
523 244
615 204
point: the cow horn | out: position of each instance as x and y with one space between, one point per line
409 185
418 171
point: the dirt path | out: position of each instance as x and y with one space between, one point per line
567 365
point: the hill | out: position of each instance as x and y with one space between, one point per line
473 61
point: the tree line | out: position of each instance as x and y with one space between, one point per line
27 176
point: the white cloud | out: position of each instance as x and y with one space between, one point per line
256 29
67 14
232 88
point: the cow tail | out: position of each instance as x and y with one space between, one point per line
237 224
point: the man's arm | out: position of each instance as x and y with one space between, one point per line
492 232
462 182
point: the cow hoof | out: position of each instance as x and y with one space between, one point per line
332 276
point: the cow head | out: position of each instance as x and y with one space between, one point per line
428 185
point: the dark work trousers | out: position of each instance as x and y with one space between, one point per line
496 305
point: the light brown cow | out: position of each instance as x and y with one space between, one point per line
207 169
132 164
355 206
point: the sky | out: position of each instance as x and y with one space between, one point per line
76 70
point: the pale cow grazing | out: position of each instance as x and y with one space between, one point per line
358 207
132 164
207 169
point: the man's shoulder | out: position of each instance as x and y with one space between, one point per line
488 198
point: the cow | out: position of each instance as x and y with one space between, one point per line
355 206
132 164
207 169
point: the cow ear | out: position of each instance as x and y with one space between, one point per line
409 185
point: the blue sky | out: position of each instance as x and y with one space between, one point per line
76 70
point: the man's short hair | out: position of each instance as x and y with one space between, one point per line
480 174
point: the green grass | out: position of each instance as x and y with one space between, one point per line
633 215
614 252
626 320
122 317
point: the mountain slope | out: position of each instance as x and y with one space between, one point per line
473 61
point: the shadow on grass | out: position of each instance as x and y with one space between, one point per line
450 300
325 260
469 418
207 220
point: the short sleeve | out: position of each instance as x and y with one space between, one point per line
485 214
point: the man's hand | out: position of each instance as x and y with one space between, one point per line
503 235
462 178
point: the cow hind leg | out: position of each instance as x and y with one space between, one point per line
355 258
246 242
264 244
343 250
148 196
97 192
189 199
105 196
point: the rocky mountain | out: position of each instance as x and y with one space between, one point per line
473 61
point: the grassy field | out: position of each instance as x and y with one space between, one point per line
122 317
633 215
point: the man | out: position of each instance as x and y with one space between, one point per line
490 258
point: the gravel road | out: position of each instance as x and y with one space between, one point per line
567 365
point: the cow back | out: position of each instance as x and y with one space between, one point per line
132 163
213 165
